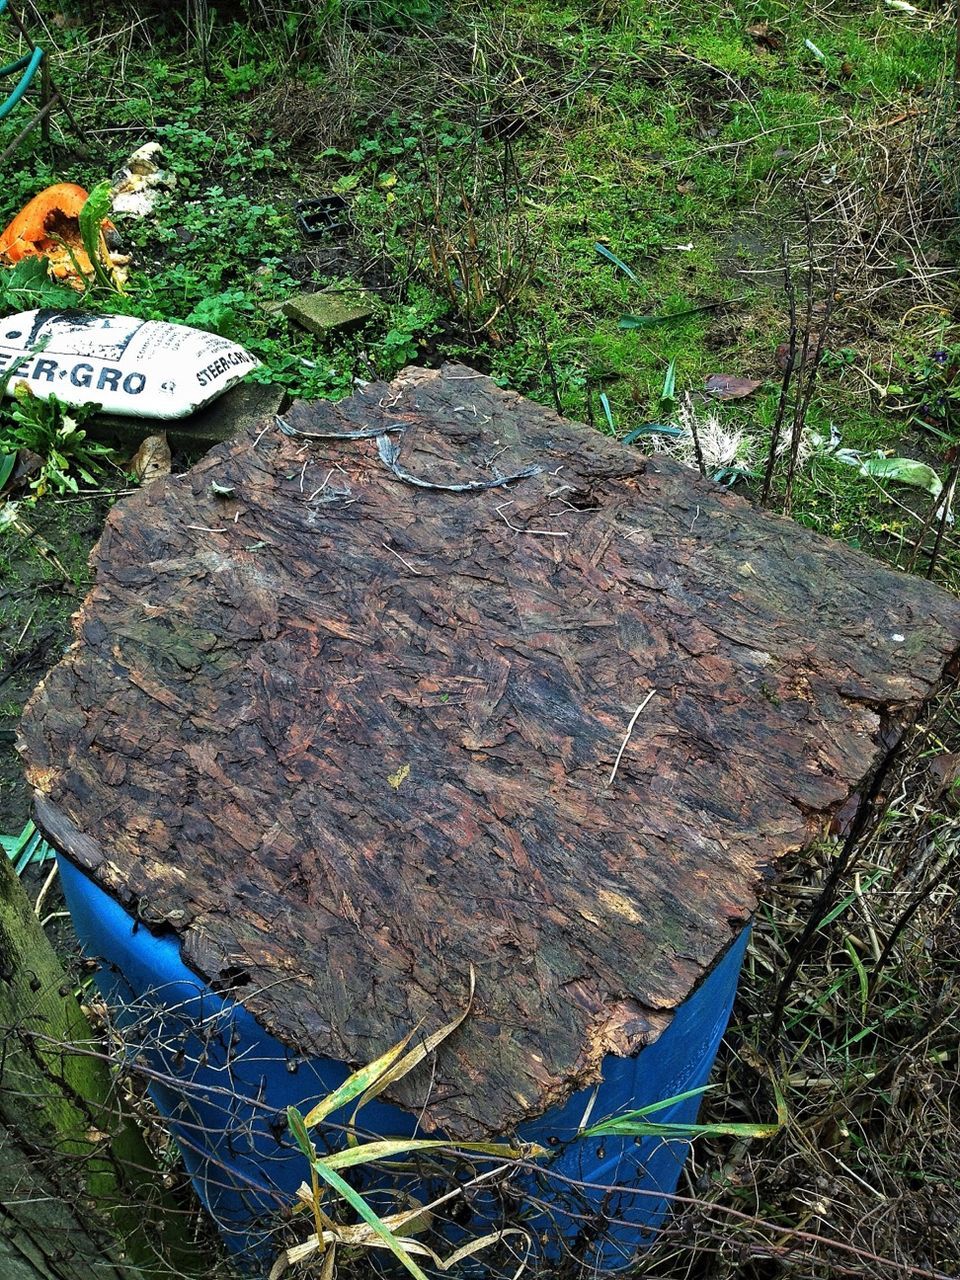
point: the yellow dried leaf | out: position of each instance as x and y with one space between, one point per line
396 779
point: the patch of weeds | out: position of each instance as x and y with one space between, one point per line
867 1040
700 128
224 313
411 326
49 429
28 285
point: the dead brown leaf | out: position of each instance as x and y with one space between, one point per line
767 37
946 769
783 351
730 386
152 460
28 465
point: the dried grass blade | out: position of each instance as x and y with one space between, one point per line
358 1083
416 1055
389 1148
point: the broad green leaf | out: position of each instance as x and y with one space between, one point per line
904 471
357 1202
28 285
8 462
617 262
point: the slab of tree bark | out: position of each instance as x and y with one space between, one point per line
349 736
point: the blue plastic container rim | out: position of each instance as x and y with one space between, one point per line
236 1184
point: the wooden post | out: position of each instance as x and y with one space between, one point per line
81 1197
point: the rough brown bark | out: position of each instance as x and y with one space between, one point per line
348 736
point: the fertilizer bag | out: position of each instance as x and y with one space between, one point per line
138 368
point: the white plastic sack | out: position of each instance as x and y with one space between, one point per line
138 368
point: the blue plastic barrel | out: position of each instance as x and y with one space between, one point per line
224 1085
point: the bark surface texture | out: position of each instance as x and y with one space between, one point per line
349 736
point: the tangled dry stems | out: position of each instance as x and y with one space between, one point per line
867 1062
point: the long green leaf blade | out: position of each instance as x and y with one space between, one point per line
652 429
650 1129
670 381
607 411
357 1202
299 1130
641 1113
632 1124
356 1084
617 262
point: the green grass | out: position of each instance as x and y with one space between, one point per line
667 133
